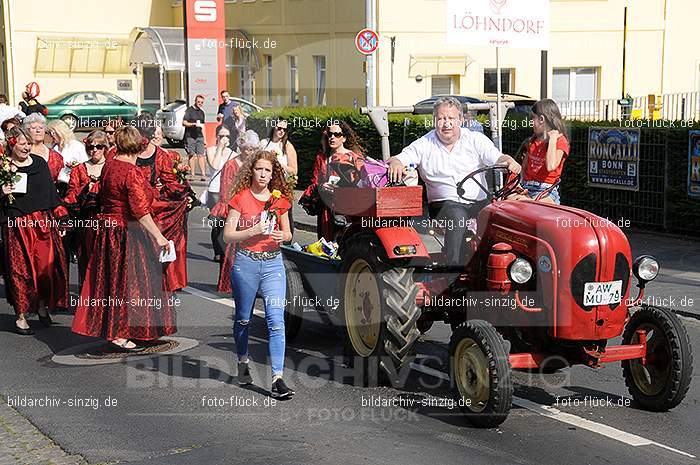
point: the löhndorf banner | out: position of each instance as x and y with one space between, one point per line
499 23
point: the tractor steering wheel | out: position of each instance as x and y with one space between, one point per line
509 187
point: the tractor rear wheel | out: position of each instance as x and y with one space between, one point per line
663 381
296 295
480 373
379 311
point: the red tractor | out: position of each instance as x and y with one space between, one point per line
544 286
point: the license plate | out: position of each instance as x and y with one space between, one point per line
602 293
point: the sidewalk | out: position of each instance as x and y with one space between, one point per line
22 443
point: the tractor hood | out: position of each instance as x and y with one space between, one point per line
568 248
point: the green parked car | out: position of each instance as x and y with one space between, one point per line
90 109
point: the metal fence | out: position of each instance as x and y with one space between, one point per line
660 204
674 107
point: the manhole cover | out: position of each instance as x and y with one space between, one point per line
100 353
106 351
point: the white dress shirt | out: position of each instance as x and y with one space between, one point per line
442 170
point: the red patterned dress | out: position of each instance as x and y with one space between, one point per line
219 213
124 293
169 210
325 226
82 202
55 163
34 260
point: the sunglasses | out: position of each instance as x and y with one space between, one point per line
109 132
91 147
334 134
280 128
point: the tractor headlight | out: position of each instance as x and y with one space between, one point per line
646 268
520 271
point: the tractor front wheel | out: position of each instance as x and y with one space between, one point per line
379 311
662 382
480 373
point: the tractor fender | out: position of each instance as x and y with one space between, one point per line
393 237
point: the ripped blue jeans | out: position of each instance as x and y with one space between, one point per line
266 278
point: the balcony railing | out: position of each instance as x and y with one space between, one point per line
675 107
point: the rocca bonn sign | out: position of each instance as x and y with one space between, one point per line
499 23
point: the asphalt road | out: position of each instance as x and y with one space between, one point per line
186 408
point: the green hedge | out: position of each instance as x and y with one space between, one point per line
663 154
307 124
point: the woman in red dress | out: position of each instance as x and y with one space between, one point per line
81 198
34 259
174 198
124 295
338 143
247 146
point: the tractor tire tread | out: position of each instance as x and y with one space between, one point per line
682 357
501 385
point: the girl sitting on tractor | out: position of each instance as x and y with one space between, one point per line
544 153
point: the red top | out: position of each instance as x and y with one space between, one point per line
536 167
250 208
158 171
78 190
125 193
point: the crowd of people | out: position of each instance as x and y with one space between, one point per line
118 202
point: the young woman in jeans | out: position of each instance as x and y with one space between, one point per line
258 223
545 151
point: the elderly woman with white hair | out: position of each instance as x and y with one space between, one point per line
247 146
35 125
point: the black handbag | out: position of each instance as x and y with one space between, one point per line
310 201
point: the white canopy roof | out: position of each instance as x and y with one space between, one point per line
159 46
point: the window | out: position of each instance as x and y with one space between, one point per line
293 80
107 99
320 61
441 85
268 68
574 84
83 99
490 84
81 55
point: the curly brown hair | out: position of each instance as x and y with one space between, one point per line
244 178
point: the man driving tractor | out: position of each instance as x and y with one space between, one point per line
443 157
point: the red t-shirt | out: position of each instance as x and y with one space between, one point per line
250 208
536 166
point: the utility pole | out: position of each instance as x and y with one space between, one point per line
543 74
624 54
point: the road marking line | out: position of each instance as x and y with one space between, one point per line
227 301
543 410
556 414
680 274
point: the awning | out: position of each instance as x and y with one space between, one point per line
442 64
165 46
158 46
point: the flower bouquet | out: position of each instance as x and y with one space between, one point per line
181 170
269 212
64 174
8 174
